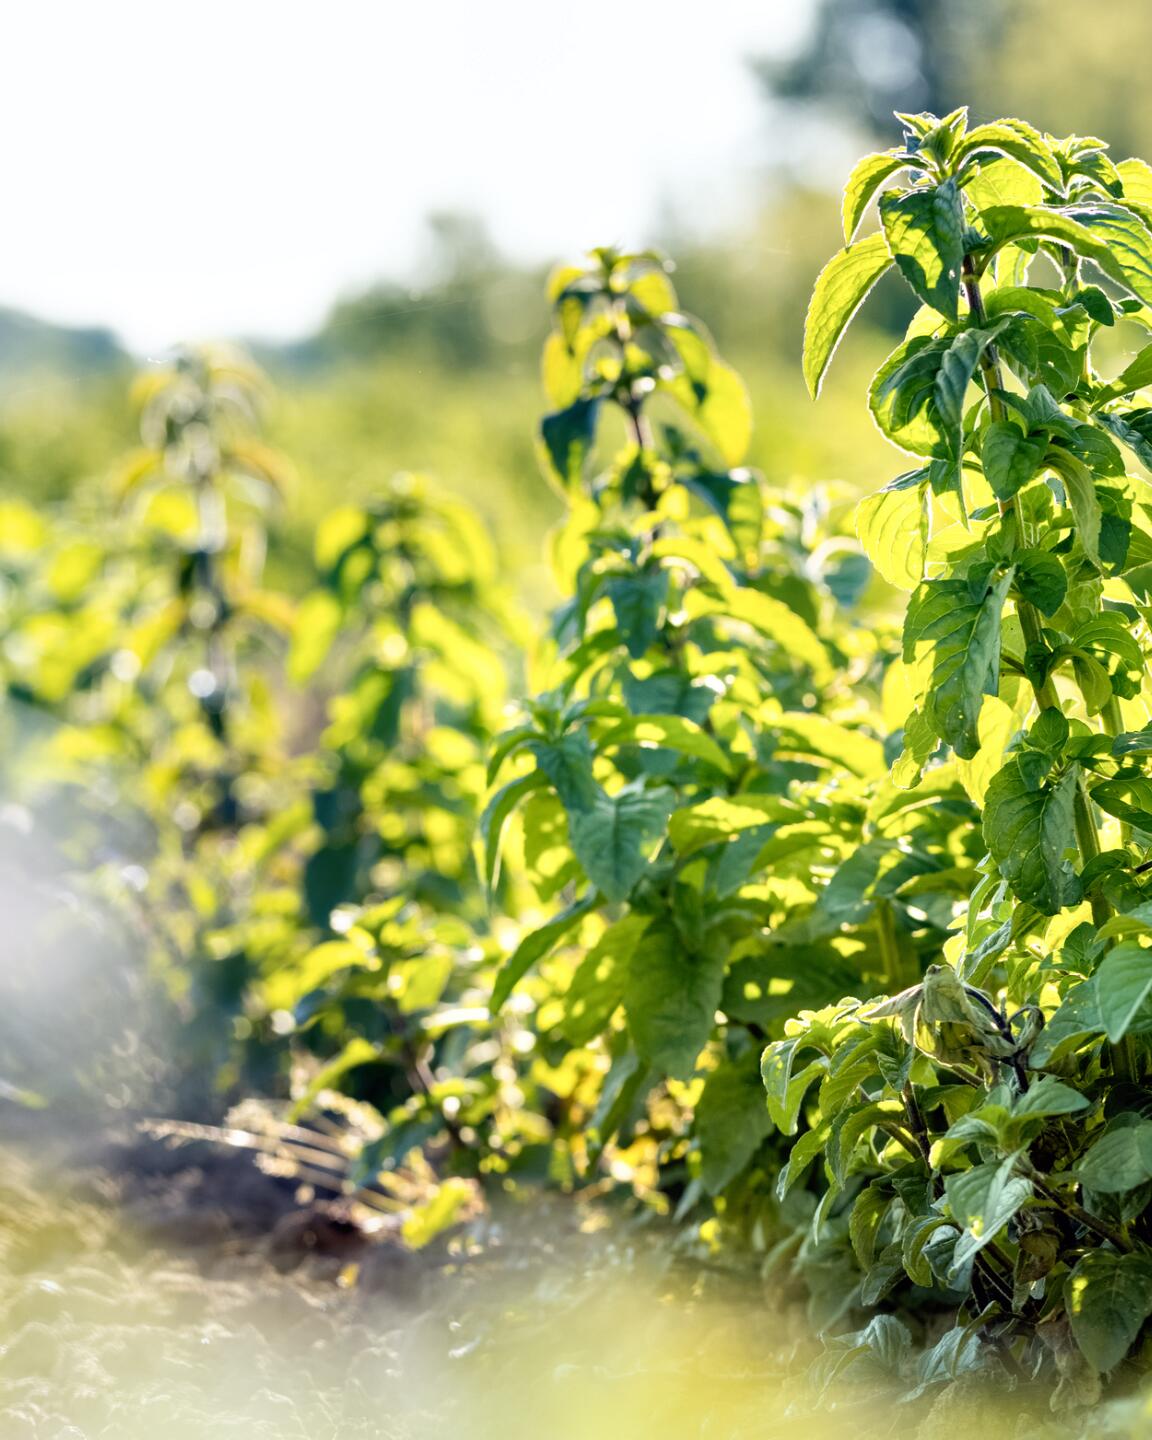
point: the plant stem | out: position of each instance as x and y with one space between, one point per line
919 1131
891 956
1070 1207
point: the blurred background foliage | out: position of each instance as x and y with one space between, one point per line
436 374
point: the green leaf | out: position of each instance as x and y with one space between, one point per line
840 290
597 987
806 1149
567 762
800 733
438 1213
773 619
866 178
731 1120
958 364
612 837
669 732
1076 1018
1019 141
737 498
917 1233
892 526
964 635
1109 1297
668 692
722 819
1119 1161
624 1085
288 984
982 1201
671 995
637 601
1041 579
1136 177
1049 1096
314 629
495 816
925 233
903 397
1135 376
725 412
409 1128
1128 798
865 1220
1111 236
1132 428
1029 829
568 437
1080 487
1123 983
1009 457
356 1052
1133 742
785 1087
507 744
1003 182
535 946
718 401
1125 239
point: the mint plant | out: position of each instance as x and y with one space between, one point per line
688 798
979 1137
409 634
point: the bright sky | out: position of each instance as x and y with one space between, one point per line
184 170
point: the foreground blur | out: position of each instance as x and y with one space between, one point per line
558 1324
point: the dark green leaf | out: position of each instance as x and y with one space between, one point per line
925 232
637 601
1009 457
1123 983
982 1201
568 437
964 635
1029 828
1119 1161
1134 429
1049 1096
567 762
669 732
1080 487
671 996
1041 579
1109 1298
495 815
535 946
731 1120
612 837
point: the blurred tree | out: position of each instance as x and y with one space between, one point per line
28 343
1062 67
862 59
455 320
867 58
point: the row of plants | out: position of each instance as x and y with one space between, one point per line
978 1133
267 799
909 888
827 940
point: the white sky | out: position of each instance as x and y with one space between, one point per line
184 170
